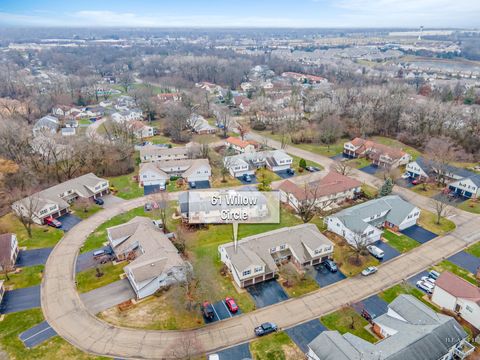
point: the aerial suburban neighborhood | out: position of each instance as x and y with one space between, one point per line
267 180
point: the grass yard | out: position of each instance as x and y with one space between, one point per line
474 250
294 283
84 121
42 235
400 242
369 191
470 205
160 139
296 161
99 236
90 210
26 277
126 186
347 320
404 288
55 348
162 312
457 270
87 279
277 346
430 190
428 220
358 163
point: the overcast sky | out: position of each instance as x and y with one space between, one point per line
245 13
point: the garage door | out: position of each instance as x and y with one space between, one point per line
248 282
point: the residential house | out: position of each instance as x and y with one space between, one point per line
199 125
304 78
329 191
241 146
127 115
248 163
364 222
256 258
468 187
209 87
8 251
140 130
46 125
409 330
159 172
459 296
55 201
152 153
381 155
62 110
196 207
154 261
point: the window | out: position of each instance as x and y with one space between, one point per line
246 272
258 269
317 252
282 247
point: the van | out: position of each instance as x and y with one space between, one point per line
375 251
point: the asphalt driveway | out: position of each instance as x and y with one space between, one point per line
86 260
33 257
68 221
374 305
20 299
389 252
324 277
413 280
252 177
239 352
284 174
200 185
151 189
221 312
304 333
418 233
267 293
466 261
369 169
37 334
107 296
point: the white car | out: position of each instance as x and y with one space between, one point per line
369 271
405 175
425 286
375 251
428 279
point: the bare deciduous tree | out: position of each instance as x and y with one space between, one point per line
442 208
342 167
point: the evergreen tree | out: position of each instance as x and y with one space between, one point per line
302 163
387 187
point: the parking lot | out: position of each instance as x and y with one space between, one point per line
221 312
417 233
239 352
267 293
20 299
68 221
466 261
304 333
369 169
33 257
37 334
373 305
323 276
389 252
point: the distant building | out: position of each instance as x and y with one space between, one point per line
152 153
47 124
381 155
248 163
159 172
409 330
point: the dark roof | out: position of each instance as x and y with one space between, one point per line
428 166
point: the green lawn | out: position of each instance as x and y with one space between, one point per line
474 250
428 190
428 221
400 242
160 139
472 206
85 213
296 161
277 346
99 236
42 235
126 186
87 279
404 288
347 320
297 284
28 276
55 348
358 163
84 121
369 191
457 270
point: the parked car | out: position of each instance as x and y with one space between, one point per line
416 182
434 274
162 187
148 206
231 305
265 328
425 286
106 251
99 201
290 172
247 178
310 168
213 357
376 251
428 279
207 310
330 265
50 221
193 185
369 271
405 175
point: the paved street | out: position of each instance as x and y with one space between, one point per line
70 318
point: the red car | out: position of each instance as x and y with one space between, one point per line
231 305
416 182
50 221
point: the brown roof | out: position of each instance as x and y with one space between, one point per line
332 183
5 247
376 148
239 142
458 287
